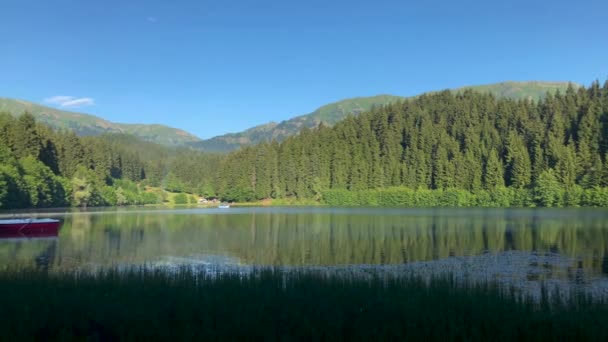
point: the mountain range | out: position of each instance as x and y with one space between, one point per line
334 112
86 124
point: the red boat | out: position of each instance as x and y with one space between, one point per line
14 228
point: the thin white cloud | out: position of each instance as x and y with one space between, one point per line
152 19
58 100
84 101
70 101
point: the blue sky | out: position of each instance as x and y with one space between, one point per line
212 67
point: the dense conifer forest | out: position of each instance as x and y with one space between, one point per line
439 149
40 167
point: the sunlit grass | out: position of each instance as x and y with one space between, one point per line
153 304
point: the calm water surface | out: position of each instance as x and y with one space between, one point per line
576 239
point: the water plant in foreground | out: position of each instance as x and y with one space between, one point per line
274 305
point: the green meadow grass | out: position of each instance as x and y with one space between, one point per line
272 305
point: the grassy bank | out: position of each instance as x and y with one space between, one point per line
502 197
154 305
280 202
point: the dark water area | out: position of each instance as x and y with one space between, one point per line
568 245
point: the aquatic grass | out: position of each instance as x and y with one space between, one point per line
271 304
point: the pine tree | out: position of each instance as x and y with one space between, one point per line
494 172
566 168
26 141
518 161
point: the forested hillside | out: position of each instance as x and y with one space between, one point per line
441 149
328 115
332 113
86 124
467 148
41 167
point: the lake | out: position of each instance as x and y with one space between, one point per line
563 246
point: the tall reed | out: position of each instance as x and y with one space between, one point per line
148 304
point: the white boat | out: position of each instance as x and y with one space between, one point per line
224 206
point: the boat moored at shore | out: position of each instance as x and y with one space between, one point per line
29 227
